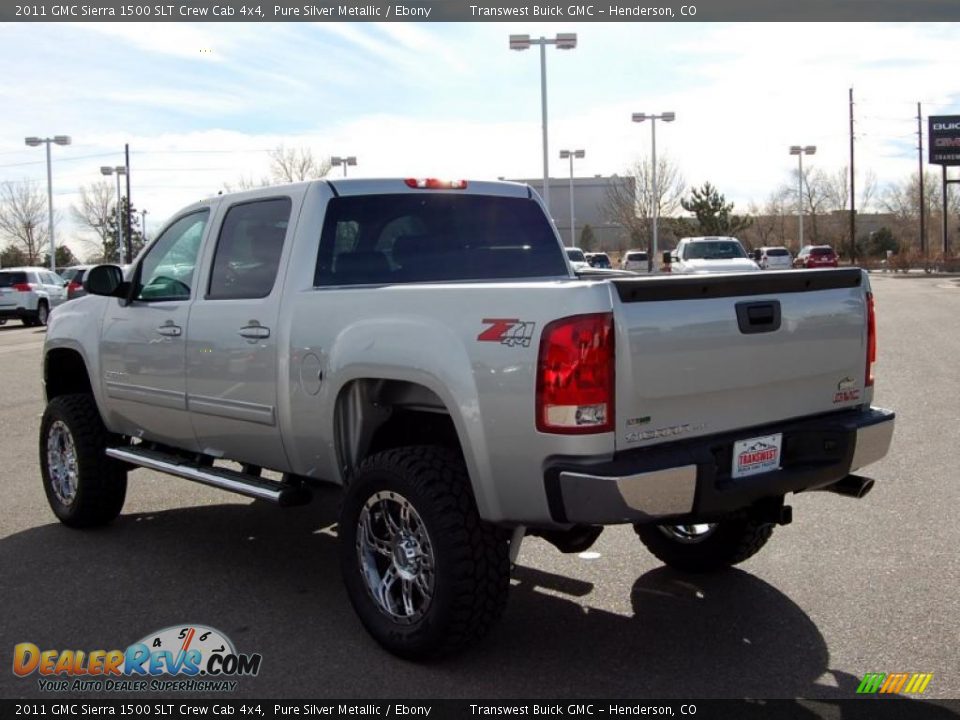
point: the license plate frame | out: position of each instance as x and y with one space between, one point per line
756 455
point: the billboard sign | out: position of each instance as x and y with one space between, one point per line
943 133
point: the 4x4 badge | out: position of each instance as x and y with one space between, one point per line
509 332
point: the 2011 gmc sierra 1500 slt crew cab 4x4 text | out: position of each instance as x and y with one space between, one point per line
426 346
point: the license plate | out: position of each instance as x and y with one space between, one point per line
756 455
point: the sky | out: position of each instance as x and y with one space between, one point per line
202 104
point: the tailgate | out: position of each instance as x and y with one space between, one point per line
707 354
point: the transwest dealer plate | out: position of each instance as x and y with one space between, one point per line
756 455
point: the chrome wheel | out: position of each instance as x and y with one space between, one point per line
396 557
62 462
688 533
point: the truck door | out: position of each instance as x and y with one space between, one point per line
232 344
142 345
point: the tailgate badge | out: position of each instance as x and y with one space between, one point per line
846 391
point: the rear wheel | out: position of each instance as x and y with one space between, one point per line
84 487
424 573
705 547
43 314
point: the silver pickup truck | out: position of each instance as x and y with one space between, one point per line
427 346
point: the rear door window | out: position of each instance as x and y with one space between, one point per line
248 250
407 238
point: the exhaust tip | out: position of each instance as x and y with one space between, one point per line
852 486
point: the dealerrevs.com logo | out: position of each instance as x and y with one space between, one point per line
178 658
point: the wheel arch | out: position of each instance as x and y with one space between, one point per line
372 415
65 372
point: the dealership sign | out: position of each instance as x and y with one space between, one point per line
944 137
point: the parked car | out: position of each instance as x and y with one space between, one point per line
74 278
28 294
774 258
635 260
699 255
599 260
816 256
577 259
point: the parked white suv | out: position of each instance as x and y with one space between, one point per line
29 294
774 258
635 261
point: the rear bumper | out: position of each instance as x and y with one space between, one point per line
691 479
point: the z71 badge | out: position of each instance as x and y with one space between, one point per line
509 332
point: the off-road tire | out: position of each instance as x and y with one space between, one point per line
732 541
471 575
101 482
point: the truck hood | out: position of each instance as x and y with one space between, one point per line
734 265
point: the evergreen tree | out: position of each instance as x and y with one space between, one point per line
587 238
714 214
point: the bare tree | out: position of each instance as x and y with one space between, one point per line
296 164
23 218
286 165
903 200
94 214
630 200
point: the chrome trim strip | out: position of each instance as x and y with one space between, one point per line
873 443
190 472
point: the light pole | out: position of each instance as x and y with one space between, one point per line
563 41
56 140
800 152
143 225
655 196
564 154
119 170
337 161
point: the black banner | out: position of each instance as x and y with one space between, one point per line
485 11
892 708
943 133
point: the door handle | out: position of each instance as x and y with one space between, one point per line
254 331
170 330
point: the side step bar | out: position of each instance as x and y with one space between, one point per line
284 494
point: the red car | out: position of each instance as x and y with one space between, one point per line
816 256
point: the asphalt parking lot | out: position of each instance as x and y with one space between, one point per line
851 587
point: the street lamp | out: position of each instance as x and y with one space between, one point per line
143 225
564 154
337 161
35 142
563 41
800 152
119 170
655 197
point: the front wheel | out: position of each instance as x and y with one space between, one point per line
84 487
424 573
705 547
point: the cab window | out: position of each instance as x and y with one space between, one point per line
166 272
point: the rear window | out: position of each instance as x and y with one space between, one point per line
73 274
9 279
821 251
637 257
380 239
777 252
576 255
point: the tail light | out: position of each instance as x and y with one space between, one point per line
871 340
22 287
575 375
74 286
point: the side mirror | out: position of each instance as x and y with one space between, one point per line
667 258
105 280
757 255
66 283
